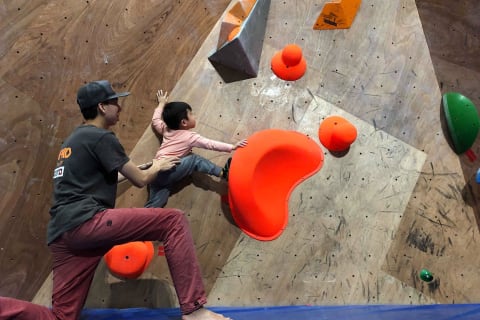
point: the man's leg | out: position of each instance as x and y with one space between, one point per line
73 272
116 226
23 310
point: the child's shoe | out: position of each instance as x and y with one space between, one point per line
226 169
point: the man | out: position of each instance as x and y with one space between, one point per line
84 224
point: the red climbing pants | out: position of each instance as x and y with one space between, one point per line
76 255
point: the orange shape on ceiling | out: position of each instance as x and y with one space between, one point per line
262 176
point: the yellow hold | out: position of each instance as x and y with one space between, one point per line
337 14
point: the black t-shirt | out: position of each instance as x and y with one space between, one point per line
85 178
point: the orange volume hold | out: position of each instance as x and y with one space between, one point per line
336 133
129 260
289 64
337 14
233 33
262 176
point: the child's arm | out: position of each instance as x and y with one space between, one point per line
157 122
205 143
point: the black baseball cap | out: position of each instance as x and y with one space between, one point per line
95 92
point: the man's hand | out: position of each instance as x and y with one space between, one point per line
143 174
166 163
162 97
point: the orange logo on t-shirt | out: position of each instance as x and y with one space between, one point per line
65 153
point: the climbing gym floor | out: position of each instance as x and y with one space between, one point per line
365 312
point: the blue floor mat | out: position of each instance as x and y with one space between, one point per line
360 312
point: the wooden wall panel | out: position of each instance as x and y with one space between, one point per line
452 30
15 16
50 48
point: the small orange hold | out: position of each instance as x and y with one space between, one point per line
289 64
291 55
129 260
337 134
233 33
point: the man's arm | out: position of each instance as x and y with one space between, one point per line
141 178
143 166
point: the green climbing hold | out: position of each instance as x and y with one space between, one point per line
462 120
425 275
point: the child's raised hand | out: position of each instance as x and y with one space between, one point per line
162 97
240 144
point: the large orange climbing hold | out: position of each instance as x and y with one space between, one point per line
129 260
337 14
289 63
262 176
336 133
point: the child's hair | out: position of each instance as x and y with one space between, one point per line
174 112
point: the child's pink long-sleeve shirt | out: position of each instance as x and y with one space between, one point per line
180 142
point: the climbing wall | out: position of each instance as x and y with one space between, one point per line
340 228
359 231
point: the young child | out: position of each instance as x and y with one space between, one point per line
173 121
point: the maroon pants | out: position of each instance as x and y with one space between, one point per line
77 253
